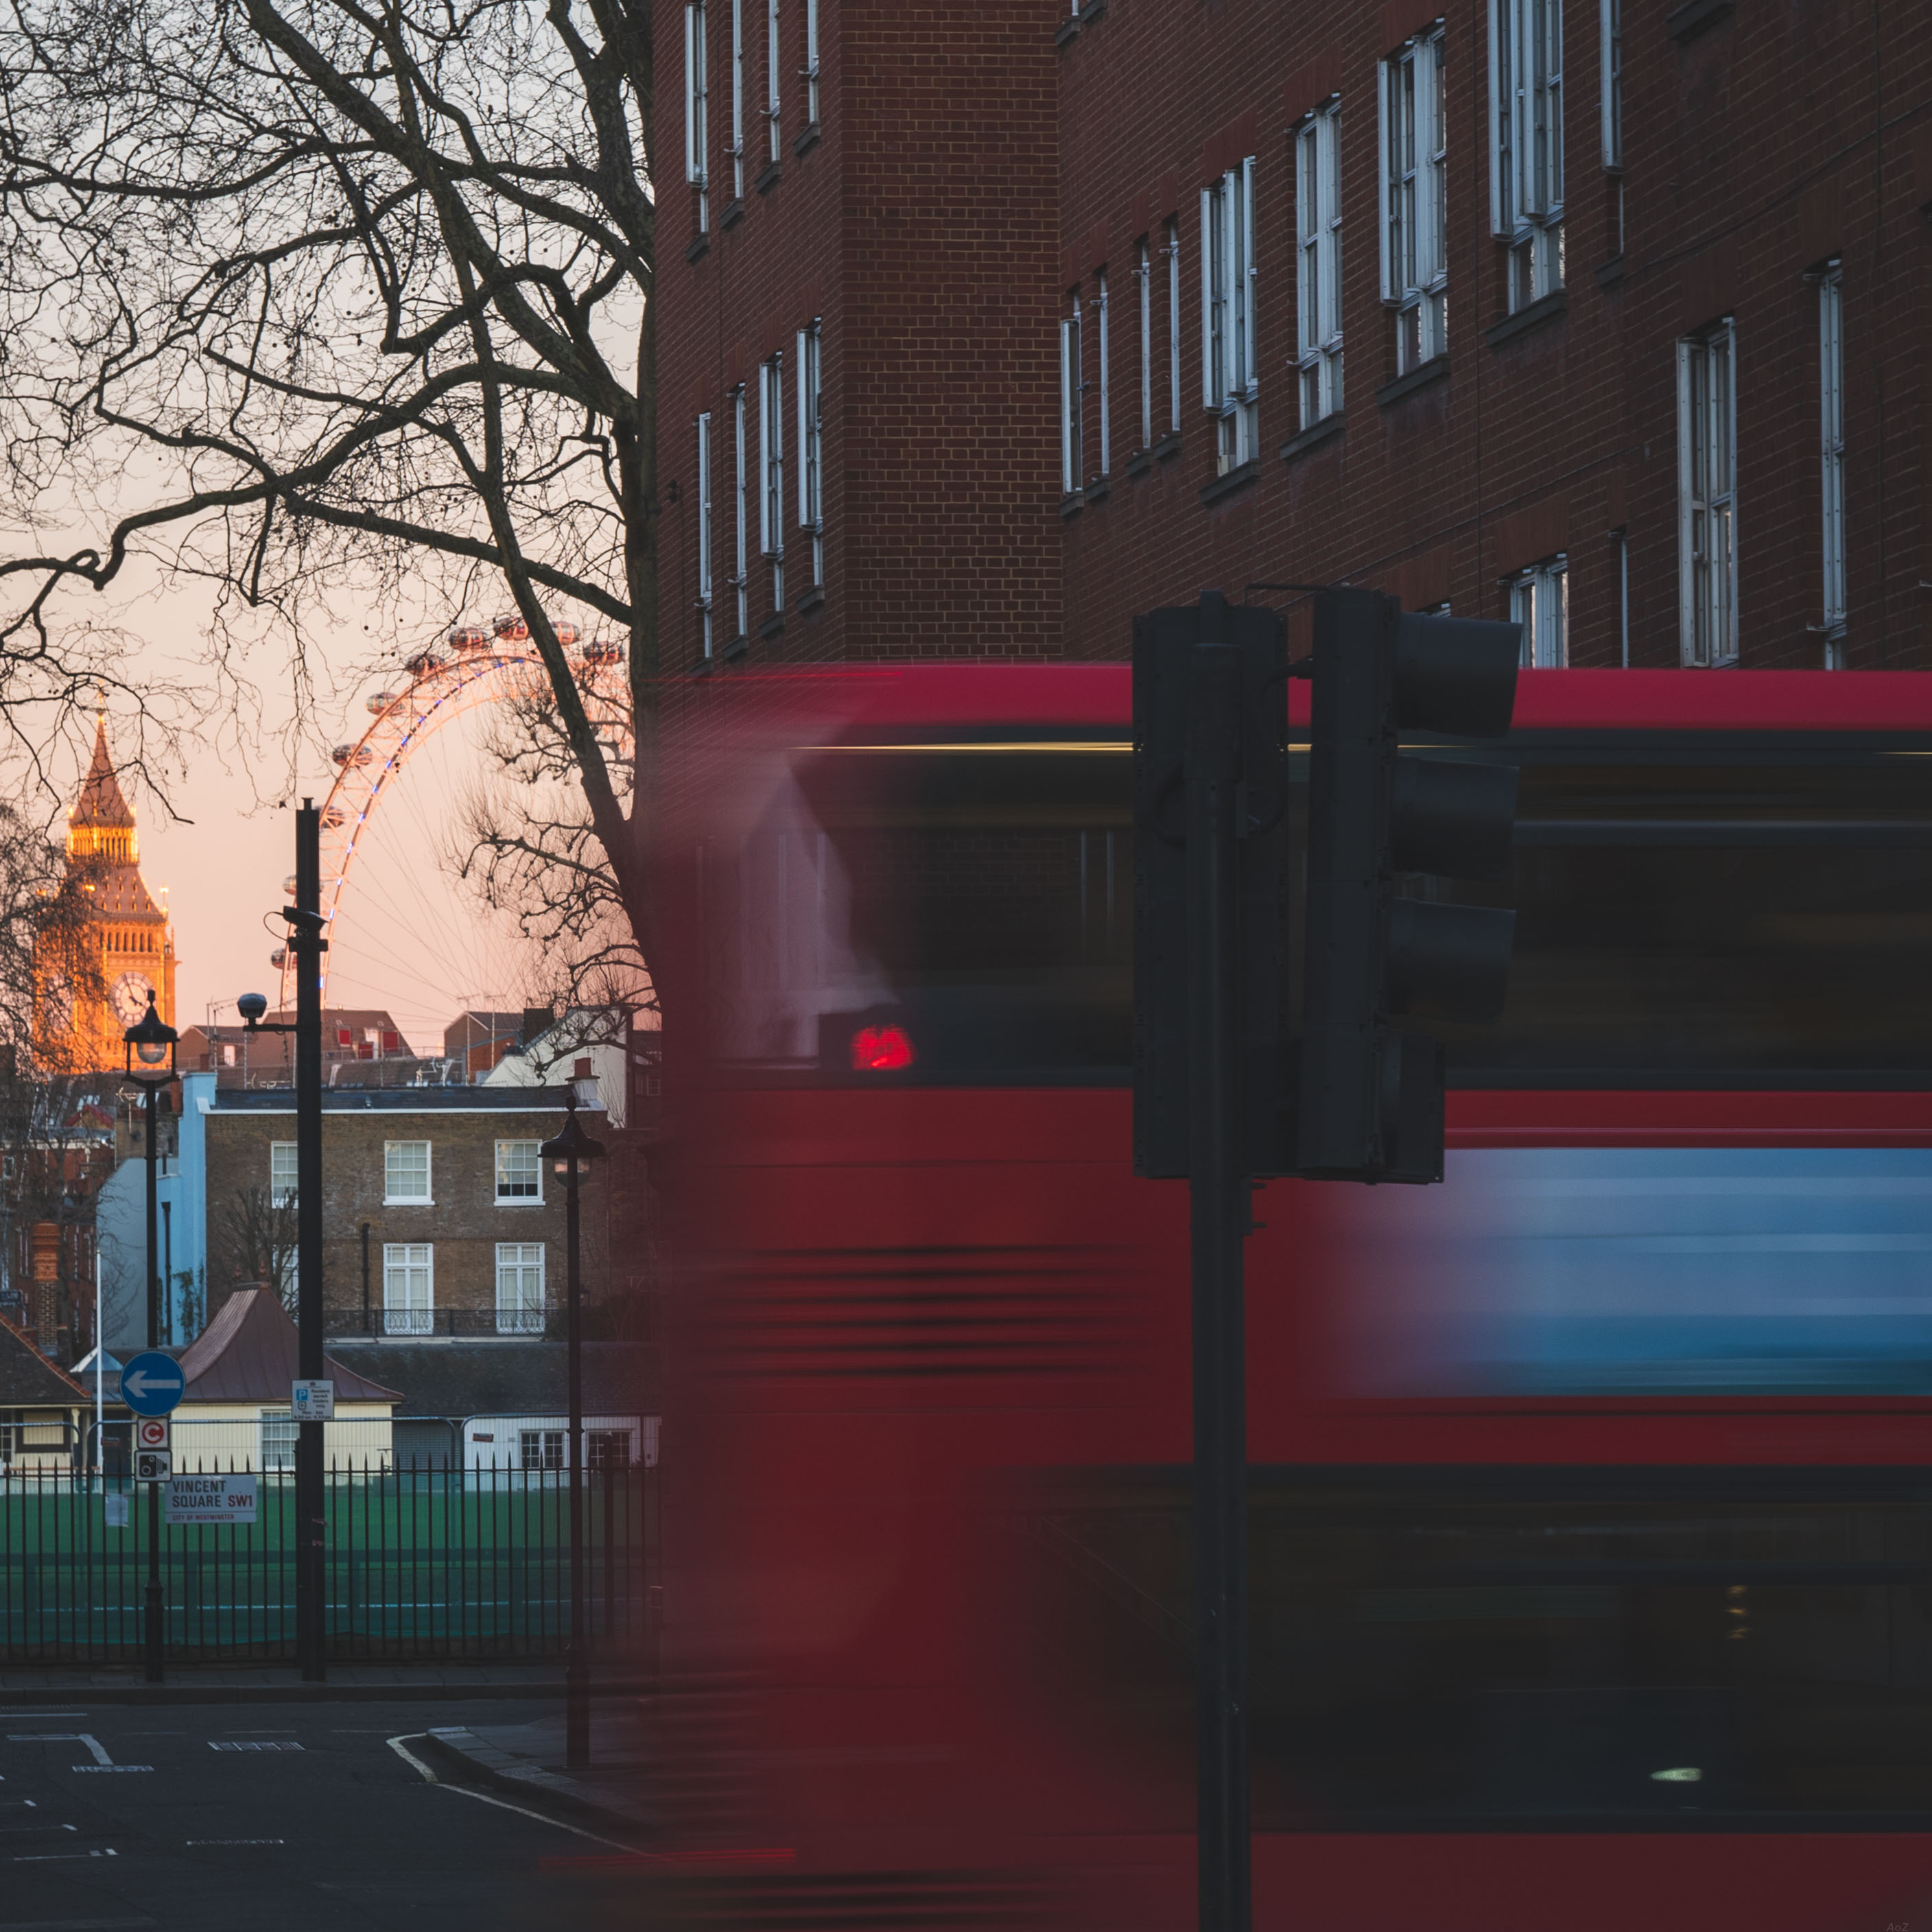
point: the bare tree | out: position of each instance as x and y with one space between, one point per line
361 295
258 1229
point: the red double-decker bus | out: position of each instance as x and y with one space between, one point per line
1592 1513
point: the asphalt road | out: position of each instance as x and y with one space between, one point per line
236 1818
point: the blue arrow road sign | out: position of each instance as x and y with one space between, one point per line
152 1383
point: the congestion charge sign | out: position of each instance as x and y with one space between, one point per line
210 1499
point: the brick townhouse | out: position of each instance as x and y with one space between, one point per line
1613 319
439 1219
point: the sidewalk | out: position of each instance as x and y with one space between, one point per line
25 1688
528 1760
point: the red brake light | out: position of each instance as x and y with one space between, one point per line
881 1049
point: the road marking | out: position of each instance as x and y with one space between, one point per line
93 1744
10 1830
210 1841
36 1716
399 1746
249 1744
55 1858
79 1924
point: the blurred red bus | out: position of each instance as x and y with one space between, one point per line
1591 1490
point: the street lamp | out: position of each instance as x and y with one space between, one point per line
149 1045
572 1150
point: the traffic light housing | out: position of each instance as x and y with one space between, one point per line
1166 663
1371 1093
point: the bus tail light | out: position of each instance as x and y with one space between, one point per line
881 1049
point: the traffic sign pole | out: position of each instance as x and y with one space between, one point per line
305 944
151 1627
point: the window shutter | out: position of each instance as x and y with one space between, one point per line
1499 158
803 383
694 94
1687 572
1387 95
1250 381
1209 399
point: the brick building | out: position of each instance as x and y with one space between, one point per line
465 1224
1518 306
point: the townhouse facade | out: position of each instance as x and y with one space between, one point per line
1614 324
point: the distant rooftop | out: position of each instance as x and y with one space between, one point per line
402 1100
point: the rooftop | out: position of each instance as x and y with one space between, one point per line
453 1100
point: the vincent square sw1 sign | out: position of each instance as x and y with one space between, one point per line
210 1499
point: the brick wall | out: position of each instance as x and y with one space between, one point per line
464 1224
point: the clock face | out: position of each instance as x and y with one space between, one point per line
129 996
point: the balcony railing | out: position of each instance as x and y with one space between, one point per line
424 1324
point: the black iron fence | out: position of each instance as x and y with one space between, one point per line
431 1561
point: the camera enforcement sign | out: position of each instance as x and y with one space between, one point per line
210 1499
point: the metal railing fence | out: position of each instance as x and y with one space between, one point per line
434 1562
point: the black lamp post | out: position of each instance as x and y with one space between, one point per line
150 1048
571 1152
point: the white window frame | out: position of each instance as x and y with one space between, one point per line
1100 350
771 471
284 1173
741 577
505 1199
1229 382
772 91
1143 283
390 1199
809 72
1539 600
696 123
1172 251
704 527
1831 459
280 1433
737 100
1610 40
514 1307
407 1267
810 449
1707 469
543 1439
1072 425
1526 143
1318 222
1414 198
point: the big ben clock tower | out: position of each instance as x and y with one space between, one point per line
136 944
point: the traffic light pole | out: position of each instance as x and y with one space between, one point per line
1219 1220
305 943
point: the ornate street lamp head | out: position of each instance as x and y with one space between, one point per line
151 1042
572 1144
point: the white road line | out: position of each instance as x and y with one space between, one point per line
398 1745
211 1841
56 1857
9 1830
93 1744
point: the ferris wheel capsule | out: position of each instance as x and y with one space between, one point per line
346 755
279 957
603 651
422 663
567 633
335 817
469 637
511 628
380 702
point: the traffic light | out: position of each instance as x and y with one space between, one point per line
1176 677
1371 1093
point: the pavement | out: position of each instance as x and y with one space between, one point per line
256 1683
310 1815
528 1759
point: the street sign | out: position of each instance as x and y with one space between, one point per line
151 1432
152 1383
203 1500
313 1401
153 1465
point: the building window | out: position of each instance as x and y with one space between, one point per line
405 1173
283 1174
1611 27
1072 453
811 455
771 472
737 100
539 1449
409 1288
1229 385
704 527
1831 455
1318 204
607 1449
519 1172
1415 200
812 62
1526 142
695 125
280 1432
1100 350
519 1288
1539 600
772 72
1707 461
741 577
1620 565
1144 286
1172 249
